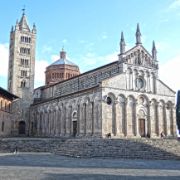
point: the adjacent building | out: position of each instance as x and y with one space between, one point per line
6 114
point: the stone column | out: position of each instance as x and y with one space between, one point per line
152 83
114 123
173 124
89 119
38 123
130 117
62 121
168 120
135 74
153 119
134 120
92 115
56 123
78 120
120 118
161 118
147 82
81 120
68 120
59 121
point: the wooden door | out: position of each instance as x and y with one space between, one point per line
74 128
142 127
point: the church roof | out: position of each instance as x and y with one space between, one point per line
63 60
23 25
7 94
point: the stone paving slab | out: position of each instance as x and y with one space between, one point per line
46 166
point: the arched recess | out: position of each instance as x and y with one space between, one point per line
88 118
68 118
162 117
131 118
121 115
112 111
83 111
22 127
143 120
74 123
154 118
169 118
96 111
129 77
59 122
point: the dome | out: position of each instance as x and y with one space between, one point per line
63 60
60 70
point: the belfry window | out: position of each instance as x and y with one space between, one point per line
25 39
109 100
24 73
23 84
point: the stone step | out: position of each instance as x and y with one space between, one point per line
122 148
96 147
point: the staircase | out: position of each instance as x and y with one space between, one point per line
121 148
141 148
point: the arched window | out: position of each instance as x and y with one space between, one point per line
109 100
23 84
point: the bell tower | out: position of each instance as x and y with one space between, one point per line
22 64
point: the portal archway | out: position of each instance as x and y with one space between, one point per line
22 127
74 123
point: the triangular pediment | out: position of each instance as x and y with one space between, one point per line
23 25
139 56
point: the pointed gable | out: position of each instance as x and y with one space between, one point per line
139 56
23 25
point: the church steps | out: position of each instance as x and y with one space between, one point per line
122 148
96 147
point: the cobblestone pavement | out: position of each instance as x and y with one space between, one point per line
46 166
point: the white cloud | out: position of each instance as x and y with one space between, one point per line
175 4
46 49
91 60
40 68
4 56
104 35
64 41
162 46
169 73
54 58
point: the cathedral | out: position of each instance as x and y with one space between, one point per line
124 98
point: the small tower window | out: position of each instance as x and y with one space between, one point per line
23 84
26 62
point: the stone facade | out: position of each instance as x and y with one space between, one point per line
22 67
122 99
6 113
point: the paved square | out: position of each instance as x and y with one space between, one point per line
46 166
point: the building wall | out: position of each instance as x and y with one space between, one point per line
128 105
58 117
22 66
5 116
58 73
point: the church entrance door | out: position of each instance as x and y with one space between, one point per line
74 128
142 127
22 127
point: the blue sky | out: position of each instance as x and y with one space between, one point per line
90 32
